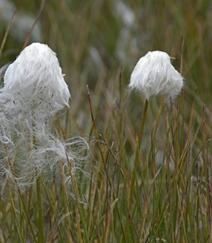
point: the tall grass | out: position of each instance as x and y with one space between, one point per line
165 193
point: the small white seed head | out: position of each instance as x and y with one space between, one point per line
155 75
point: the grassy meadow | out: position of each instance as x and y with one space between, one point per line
161 192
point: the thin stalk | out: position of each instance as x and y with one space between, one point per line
140 136
143 120
7 32
27 39
41 226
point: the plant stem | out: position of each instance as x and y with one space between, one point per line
143 120
140 135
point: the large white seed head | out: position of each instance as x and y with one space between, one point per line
34 89
155 75
36 78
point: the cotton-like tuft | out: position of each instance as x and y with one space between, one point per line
34 90
35 78
155 75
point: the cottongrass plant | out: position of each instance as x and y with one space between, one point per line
34 91
154 75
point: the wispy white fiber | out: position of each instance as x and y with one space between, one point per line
155 75
34 90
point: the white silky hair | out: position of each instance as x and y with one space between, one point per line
155 75
35 78
34 91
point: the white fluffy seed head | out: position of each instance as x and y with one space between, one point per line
155 75
35 78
